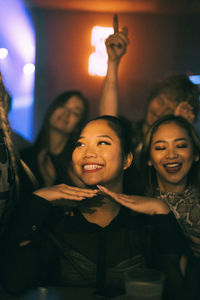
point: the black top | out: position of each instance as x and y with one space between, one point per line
70 251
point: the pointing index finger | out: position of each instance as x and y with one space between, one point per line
115 23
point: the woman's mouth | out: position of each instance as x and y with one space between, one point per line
172 167
92 167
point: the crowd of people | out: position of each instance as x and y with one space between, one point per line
91 199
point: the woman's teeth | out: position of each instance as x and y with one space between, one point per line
91 167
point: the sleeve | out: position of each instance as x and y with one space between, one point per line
25 246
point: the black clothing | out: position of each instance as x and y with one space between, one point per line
70 251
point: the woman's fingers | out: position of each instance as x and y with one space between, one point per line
121 198
62 191
115 23
138 204
117 39
185 110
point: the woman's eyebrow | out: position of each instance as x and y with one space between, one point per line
181 139
159 141
105 136
101 136
176 140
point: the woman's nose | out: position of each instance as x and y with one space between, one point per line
90 152
172 153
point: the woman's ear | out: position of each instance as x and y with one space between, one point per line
196 157
150 163
128 160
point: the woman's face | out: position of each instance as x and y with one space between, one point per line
66 117
171 154
97 157
158 107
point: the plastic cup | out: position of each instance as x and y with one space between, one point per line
144 284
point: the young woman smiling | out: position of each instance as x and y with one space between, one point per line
171 173
98 239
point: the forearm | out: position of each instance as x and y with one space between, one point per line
150 206
109 98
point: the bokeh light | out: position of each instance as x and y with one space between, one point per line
17 35
3 53
98 59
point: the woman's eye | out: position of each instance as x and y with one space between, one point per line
159 148
78 144
182 145
103 143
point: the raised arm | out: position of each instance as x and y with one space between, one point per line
116 45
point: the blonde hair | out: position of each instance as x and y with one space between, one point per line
5 126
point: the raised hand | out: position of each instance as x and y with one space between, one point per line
116 43
184 109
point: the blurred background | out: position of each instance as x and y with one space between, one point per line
45 47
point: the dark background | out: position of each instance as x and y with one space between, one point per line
160 44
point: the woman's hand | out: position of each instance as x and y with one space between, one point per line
185 110
140 204
65 195
116 43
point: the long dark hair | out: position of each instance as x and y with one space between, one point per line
62 161
148 172
42 139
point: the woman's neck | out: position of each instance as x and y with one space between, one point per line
57 142
104 214
172 188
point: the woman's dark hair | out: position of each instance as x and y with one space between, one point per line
148 172
62 161
122 128
43 136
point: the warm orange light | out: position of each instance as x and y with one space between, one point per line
98 59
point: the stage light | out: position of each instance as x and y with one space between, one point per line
29 69
17 34
195 79
3 53
98 59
